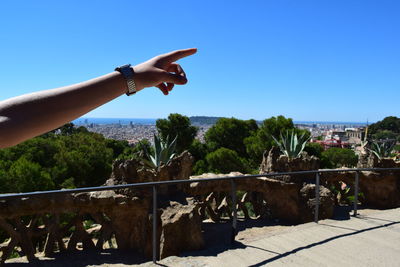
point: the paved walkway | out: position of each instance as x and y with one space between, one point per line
372 239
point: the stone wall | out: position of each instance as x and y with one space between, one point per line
124 217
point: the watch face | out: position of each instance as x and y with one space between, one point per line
120 68
127 72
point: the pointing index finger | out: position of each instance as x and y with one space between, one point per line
178 54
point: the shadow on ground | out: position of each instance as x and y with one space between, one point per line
309 246
217 240
217 236
85 258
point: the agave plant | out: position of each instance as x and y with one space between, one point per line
292 145
382 149
164 151
364 145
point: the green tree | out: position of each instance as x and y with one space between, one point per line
200 167
314 149
385 134
118 146
225 160
338 157
198 150
26 176
262 140
177 125
388 128
390 123
85 157
64 158
230 133
396 148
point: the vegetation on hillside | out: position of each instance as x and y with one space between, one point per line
72 156
388 128
203 120
64 158
180 126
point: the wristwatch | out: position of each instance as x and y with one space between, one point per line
127 72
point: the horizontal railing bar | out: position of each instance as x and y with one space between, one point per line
172 182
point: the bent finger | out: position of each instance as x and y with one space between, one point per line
170 86
174 78
163 88
176 68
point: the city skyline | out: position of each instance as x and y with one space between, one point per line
307 60
84 118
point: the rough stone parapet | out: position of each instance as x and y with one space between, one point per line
58 222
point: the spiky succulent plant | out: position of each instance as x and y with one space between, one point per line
291 144
382 149
164 151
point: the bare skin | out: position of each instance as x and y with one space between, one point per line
30 115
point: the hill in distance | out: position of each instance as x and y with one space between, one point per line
203 120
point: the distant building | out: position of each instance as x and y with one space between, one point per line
328 143
336 134
355 135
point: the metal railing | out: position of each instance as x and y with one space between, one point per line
154 186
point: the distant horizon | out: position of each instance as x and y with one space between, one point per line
294 121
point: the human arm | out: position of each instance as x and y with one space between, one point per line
29 115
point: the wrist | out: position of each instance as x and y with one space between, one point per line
138 78
120 82
128 73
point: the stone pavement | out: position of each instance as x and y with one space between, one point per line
371 239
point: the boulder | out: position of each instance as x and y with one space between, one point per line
273 161
135 171
379 189
308 201
180 228
370 160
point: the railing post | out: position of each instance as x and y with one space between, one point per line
154 224
316 197
234 221
356 193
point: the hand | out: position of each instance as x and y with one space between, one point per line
162 71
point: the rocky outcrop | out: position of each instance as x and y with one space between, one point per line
180 228
286 201
308 199
366 159
273 161
379 189
135 171
175 211
370 160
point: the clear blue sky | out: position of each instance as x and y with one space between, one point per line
308 60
